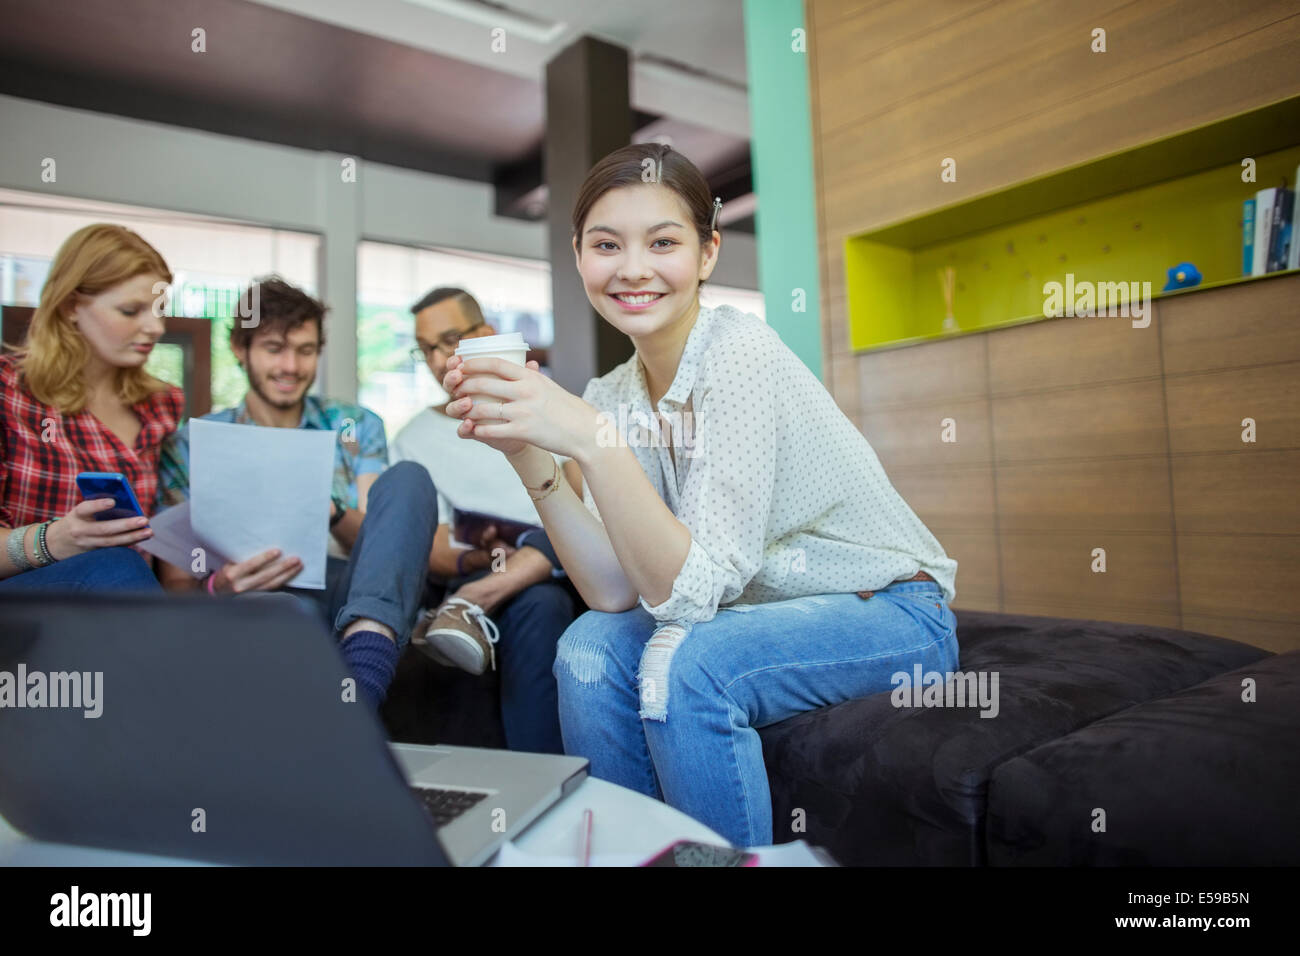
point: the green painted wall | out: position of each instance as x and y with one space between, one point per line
781 142
895 294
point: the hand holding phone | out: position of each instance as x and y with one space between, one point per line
110 517
107 484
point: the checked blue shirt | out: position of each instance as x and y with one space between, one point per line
361 450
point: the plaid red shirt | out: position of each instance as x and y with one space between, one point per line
42 450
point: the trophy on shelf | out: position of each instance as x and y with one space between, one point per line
948 281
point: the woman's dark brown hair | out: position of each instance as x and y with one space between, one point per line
639 163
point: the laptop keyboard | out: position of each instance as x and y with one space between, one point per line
446 805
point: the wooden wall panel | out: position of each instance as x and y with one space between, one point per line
945 369
1072 433
911 435
1090 495
1241 576
835 305
1249 492
953 498
1125 418
1254 324
963 69
1055 570
1206 410
890 21
978 582
844 378
1049 104
1072 351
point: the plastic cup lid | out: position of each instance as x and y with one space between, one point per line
493 343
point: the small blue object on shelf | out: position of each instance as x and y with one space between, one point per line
1182 276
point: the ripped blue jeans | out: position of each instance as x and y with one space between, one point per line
680 723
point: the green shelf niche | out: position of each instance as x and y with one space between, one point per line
1131 216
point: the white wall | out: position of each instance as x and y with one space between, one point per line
114 159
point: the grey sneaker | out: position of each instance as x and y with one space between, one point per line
461 634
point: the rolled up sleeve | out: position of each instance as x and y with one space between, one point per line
372 458
174 468
727 495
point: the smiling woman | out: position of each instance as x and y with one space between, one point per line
756 568
76 398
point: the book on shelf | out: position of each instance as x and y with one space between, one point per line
1264 200
1273 245
1293 254
1279 242
1247 237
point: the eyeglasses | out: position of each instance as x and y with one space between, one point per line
446 343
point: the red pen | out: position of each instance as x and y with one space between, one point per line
586 837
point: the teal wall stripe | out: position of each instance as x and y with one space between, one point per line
781 135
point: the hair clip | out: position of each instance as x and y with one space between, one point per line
717 207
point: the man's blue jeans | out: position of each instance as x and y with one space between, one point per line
750 666
383 577
530 624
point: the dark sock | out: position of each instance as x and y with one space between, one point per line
372 657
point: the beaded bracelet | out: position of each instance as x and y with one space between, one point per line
43 554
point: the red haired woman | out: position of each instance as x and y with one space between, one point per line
76 398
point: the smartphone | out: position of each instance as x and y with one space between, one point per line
685 853
107 484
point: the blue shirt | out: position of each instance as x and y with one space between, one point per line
361 449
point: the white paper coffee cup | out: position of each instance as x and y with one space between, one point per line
510 346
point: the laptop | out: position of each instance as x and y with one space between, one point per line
225 731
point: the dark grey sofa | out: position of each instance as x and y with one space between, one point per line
1143 723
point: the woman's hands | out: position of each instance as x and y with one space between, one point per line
78 532
509 407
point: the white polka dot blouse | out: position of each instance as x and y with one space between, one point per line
782 494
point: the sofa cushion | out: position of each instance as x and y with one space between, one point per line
1198 778
883 785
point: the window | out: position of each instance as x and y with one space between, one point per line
212 261
514 294
745 300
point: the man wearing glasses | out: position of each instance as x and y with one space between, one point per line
508 601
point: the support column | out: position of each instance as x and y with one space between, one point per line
339 200
588 114
782 150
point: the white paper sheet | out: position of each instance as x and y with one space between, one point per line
255 488
175 542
